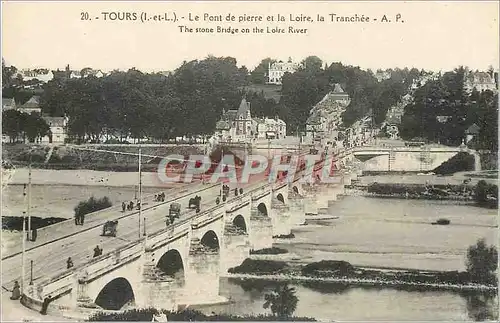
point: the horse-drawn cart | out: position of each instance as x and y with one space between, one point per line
175 210
109 228
194 203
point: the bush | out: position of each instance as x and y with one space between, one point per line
342 268
250 266
269 251
442 222
460 162
92 205
16 222
390 189
146 315
486 194
482 262
284 236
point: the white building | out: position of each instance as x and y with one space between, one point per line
278 69
268 128
382 75
236 125
58 130
481 81
41 74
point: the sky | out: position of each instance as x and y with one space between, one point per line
433 36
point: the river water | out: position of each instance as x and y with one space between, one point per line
386 233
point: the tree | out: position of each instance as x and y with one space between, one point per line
482 262
312 63
8 74
12 124
35 127
282 301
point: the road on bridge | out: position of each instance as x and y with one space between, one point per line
50 259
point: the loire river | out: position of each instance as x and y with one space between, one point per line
381 232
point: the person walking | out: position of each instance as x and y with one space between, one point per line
69 263
97 251
16 291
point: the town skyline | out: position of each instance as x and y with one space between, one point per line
449 37
159 70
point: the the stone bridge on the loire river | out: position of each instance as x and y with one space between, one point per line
374 158
402 159
180 264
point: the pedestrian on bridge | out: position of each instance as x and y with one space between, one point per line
69 263
97 251
16 291
124 206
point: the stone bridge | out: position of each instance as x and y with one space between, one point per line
181 264
398 159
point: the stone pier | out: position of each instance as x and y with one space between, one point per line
202 276
310 206
236 249
161 293
297 209
280 219
347 178
262 230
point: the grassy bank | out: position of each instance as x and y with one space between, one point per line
146 315
483 194
65 157
344 272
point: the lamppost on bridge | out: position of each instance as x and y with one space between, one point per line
140 197
23 256
29 196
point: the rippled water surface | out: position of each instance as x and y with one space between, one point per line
386 233
395 233
335 302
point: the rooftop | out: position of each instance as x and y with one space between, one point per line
34 102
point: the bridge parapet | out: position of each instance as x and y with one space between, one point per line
163 237
111 260
260 193
238 202
207 217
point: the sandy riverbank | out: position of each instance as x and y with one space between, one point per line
55 193
81 177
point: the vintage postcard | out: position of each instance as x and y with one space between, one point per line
250 161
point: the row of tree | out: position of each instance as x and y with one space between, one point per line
18 125
191 100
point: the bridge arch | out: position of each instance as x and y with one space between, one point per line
115 294
239 222
295 189
280 198
172 265
262 208
210 240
